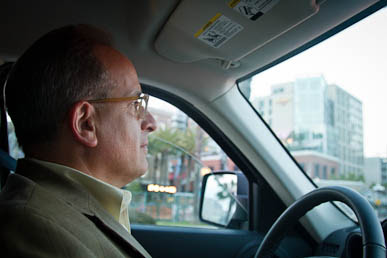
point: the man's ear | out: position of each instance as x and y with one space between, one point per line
82 119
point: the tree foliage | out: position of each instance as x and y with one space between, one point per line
165 140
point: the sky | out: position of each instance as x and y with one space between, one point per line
355 60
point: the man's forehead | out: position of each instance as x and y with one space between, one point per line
120 70
112 58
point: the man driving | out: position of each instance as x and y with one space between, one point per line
82 121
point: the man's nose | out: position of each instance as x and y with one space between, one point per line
148 123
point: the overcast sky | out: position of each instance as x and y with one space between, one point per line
356 60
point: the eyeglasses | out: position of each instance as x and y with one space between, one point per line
140 103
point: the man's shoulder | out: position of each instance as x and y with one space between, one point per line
40 229
25 201
39 216
18 189
22 195
33 184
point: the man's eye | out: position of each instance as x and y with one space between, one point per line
136 105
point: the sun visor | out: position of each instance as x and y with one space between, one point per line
227 30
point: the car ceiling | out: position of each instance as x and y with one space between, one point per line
158 35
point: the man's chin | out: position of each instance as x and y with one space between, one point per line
133 175
143 169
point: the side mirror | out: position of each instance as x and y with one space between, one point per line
224 200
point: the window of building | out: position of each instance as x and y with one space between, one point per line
324 172
333 173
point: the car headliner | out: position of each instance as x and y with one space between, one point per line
137 25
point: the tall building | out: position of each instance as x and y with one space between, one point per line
376 171
348 129
320 124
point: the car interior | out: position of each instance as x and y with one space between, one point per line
196 56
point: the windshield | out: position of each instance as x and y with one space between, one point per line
327 106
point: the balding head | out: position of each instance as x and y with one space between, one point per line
58 70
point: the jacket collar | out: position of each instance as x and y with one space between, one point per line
66 188
59 184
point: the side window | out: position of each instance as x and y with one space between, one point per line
180 153
14 149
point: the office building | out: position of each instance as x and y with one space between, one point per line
376 171
320 124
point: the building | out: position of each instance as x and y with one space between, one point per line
219 162
163 116
376 171
316 164
347 124
320 124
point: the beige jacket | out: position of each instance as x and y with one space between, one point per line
47 214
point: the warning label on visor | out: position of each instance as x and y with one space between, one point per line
218 31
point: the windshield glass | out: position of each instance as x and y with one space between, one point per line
327 106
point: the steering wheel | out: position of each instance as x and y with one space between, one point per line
372 234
